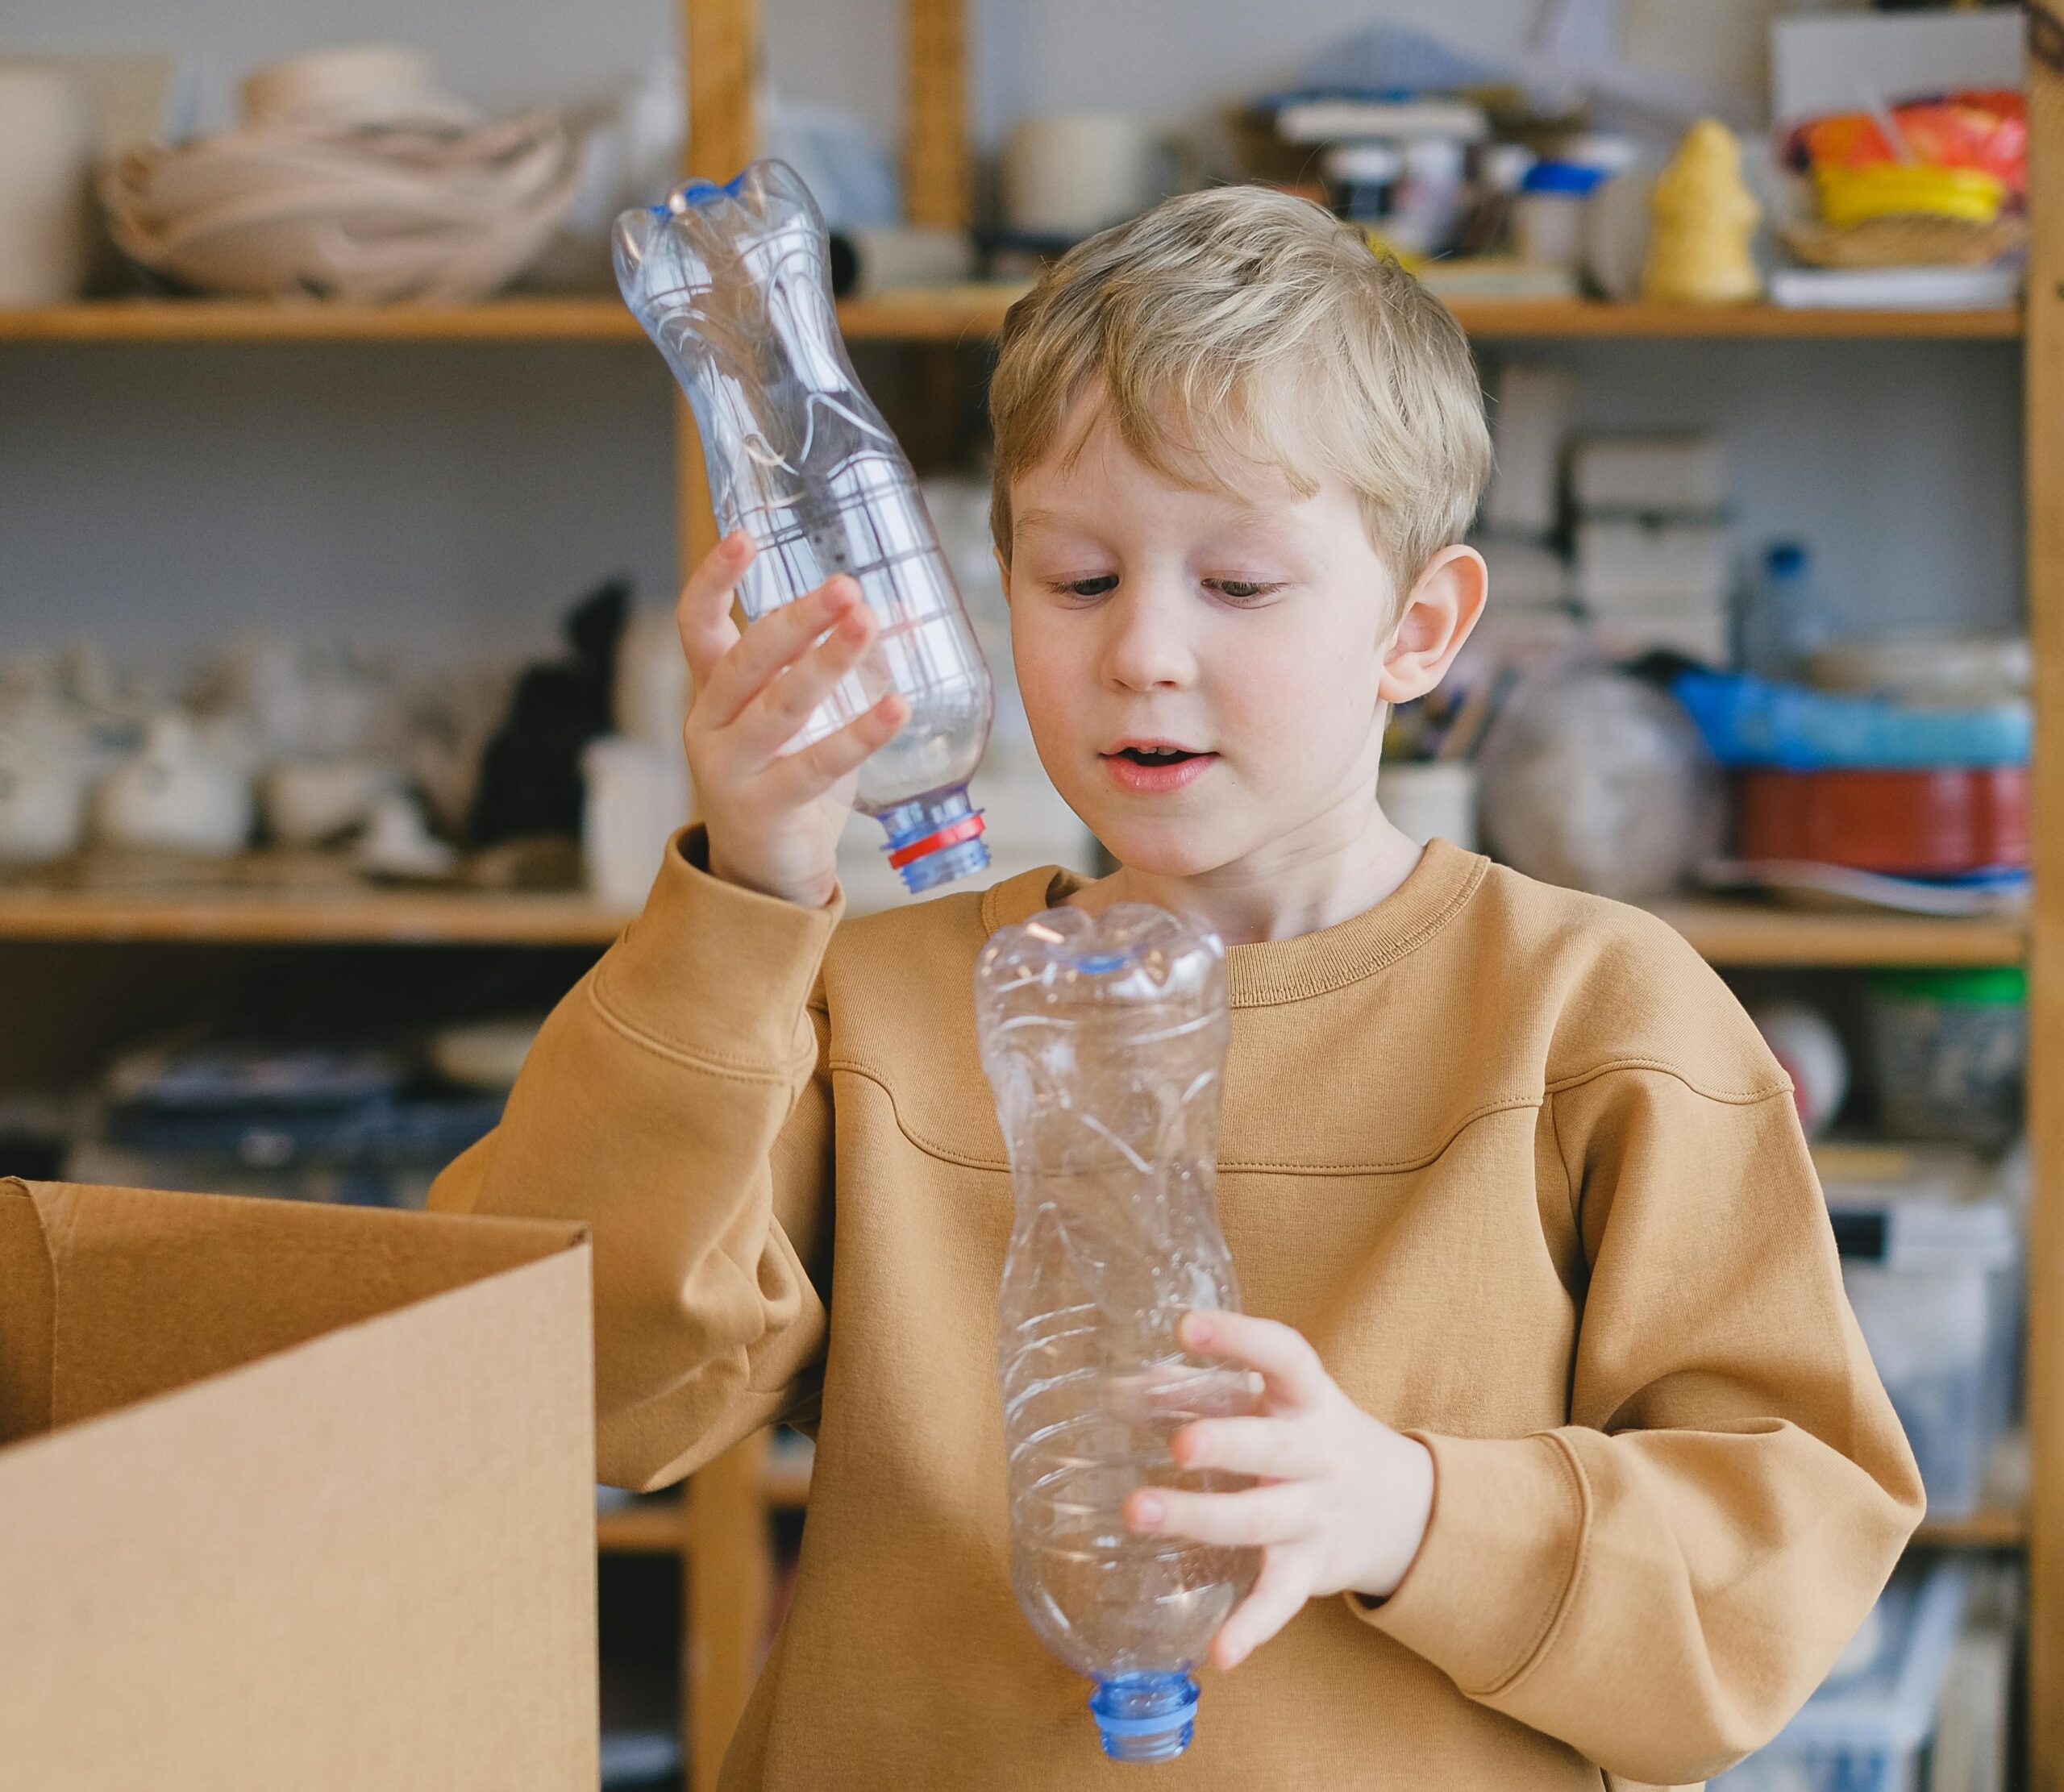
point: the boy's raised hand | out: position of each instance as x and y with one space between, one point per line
774 819
1343 1500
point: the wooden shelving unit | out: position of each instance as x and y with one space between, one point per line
720 1524
206 320
366 917
948 314
1748 933
1982 1530
1727 932
654 1527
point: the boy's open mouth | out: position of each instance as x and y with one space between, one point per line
1156 755
1156 768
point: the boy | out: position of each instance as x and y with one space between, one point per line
1564 1401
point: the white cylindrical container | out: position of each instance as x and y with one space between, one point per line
1069 173
636 797
1426 801
46 185
1548 229
652 694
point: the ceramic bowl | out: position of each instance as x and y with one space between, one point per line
364 216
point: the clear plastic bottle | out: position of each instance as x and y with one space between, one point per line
1105 1041
732 282
1784 619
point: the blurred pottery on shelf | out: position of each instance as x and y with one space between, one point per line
298 700
373 85
650 695
307 801
47 224
1942 671
397 843
43 798
178 794
1067 174
355 180
1705 217
1599 782
635 797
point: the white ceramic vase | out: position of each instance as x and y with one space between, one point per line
46 185
175 796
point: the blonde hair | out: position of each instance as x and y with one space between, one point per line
1240 324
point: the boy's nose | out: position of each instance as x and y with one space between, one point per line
1145 648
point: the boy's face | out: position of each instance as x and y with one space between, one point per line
1254 632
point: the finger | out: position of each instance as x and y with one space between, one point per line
819 766
778 639
1279 1595
1288 1363
703 615
788 699
1253 1520
1281 1449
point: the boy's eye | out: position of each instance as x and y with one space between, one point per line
1089 588
1239 589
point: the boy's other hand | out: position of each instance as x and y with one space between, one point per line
774 819
1343 1500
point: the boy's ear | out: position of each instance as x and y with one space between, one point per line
1440 610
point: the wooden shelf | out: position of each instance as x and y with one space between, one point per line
1748 933
948 314
942 316
656 1526
1729 933
650 1527
1517 317
179 320
229 917
1994 1529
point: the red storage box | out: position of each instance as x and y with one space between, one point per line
1908 823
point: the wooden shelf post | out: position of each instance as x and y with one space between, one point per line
728 1588
2044 375
937 185
727 1567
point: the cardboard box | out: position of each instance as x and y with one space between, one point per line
292 1496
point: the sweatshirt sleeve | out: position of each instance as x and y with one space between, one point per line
677 1100
1663 1581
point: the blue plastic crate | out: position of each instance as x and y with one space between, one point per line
1866 1730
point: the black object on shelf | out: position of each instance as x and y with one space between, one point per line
530 775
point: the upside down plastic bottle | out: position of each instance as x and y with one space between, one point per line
1104 1043
732 282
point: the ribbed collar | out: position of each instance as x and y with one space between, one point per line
1288 970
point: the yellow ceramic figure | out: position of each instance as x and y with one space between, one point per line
1705 217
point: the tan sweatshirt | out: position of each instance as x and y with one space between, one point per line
1512 1159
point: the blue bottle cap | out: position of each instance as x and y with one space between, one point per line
935 838
1145 1717
1784 559
1573 178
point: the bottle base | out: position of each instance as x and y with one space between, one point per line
1145 1717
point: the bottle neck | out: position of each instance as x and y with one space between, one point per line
1145 1717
